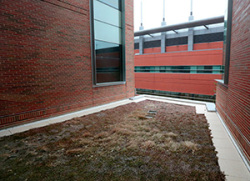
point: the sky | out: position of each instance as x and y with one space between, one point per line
177 11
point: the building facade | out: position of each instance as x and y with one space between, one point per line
233 93
62 56
181 63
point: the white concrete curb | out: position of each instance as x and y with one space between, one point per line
61 118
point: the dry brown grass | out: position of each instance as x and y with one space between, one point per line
148 144
190 145
173 145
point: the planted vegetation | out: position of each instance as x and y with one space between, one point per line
139 141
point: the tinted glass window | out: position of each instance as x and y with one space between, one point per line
108 49
114 3
136 45
107 14
205 69
108 61
176 41
152 44
216 69
213 37
106 32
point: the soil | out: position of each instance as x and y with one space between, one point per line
139 141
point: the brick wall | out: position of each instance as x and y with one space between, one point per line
45 65
233 99
203 84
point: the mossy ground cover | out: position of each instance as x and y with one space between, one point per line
123 143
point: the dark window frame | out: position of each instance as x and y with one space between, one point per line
226 55
93 53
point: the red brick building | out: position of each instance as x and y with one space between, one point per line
233 93
182 62
56 56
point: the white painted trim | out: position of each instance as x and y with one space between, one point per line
234 142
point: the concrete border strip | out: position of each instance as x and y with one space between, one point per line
65 117
61 118
234 142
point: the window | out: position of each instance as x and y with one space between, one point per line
152 44
205 69
210 69
227 39
136 45
206 38
108 52
177 41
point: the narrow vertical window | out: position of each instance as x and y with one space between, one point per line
227 40
107 28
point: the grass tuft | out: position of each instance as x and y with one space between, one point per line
116 144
